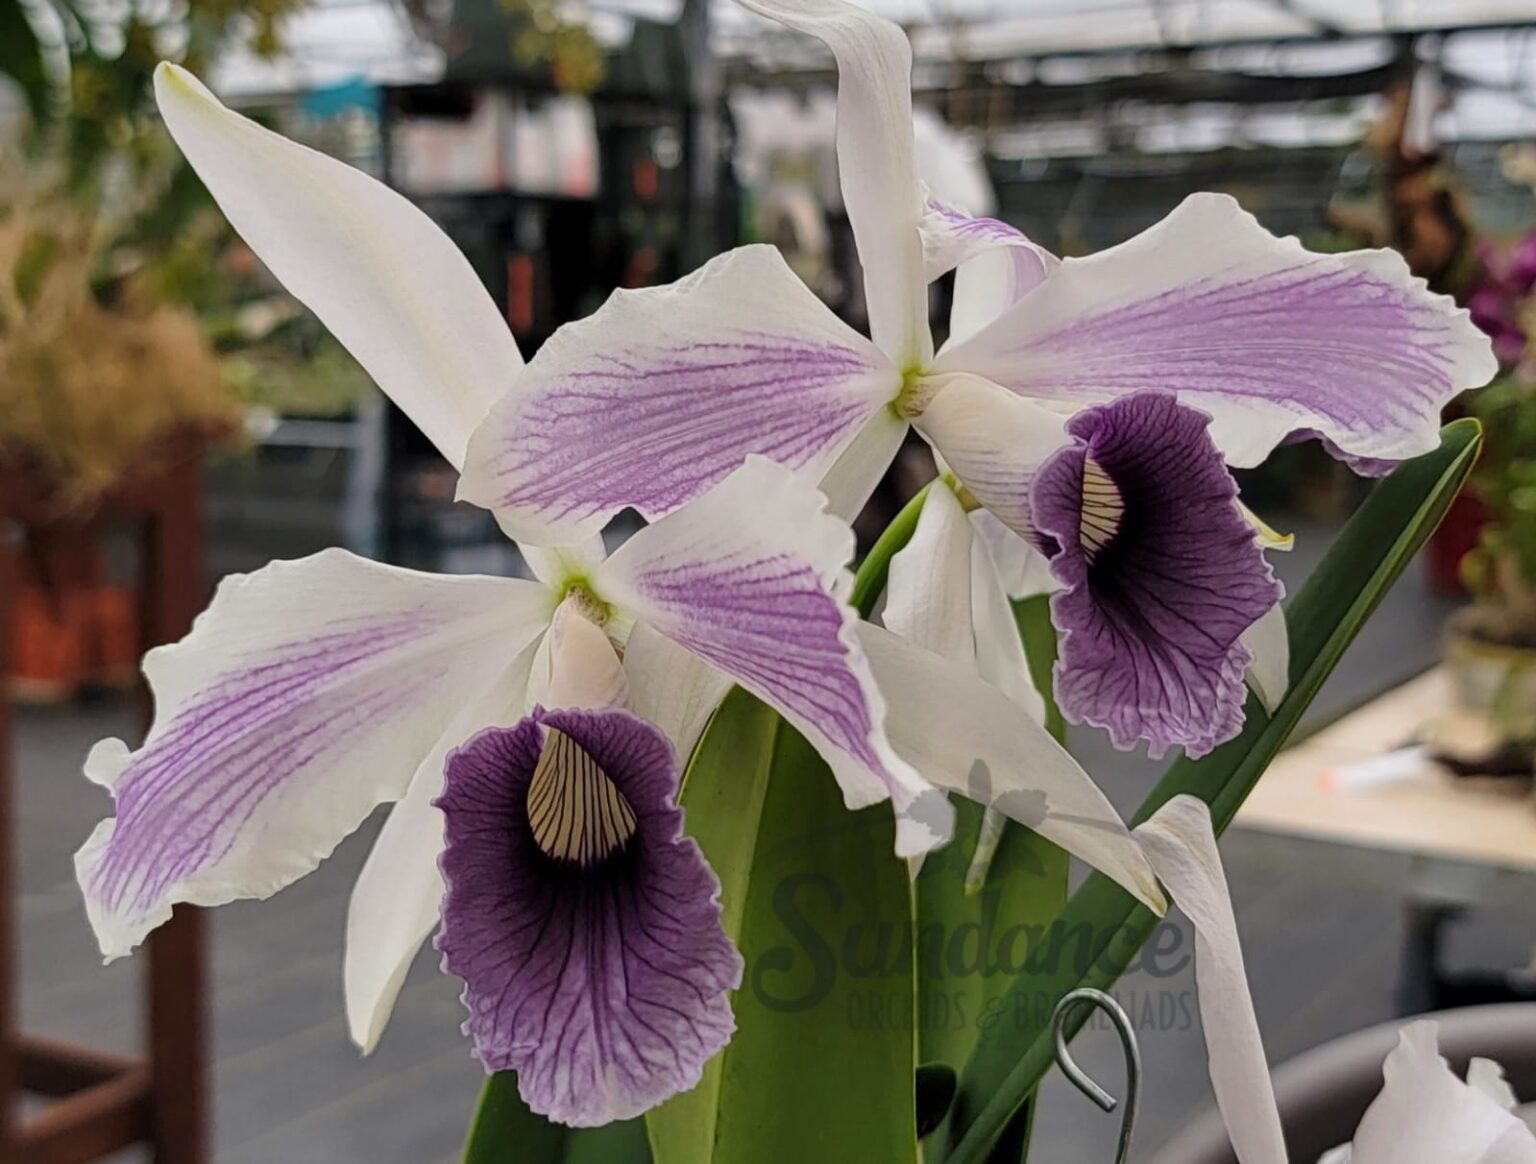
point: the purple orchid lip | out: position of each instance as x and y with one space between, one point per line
1161 575
585 925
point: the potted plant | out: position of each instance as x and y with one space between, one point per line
1491 644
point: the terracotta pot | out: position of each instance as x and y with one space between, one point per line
69 625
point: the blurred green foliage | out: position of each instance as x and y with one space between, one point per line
1506 483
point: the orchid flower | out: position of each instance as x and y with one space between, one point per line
1202 343
312 691
1424 1114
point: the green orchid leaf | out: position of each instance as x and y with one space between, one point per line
823 1062
723 794
826 1016
505 1131
1324 617
800 876
1039 637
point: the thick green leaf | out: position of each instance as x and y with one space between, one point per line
1039 637
823 1063
766 858
970 946
1107 925
723 794
505 1131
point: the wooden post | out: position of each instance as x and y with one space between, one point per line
102 1103
173 590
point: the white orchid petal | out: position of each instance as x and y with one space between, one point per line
376 270
995 265
1181 845
398 895
662 392
943 719
1267 337
306 694
994 441
672 689
860 467
1023 570
1488 1077
1425 1115
1270 672
928 594
748 579
989 283
557 565
999 649
875 161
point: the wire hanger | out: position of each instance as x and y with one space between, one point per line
1080 1078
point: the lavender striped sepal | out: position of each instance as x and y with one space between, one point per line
995 265
748 579
1267 337
1160 575
306 694
585 925
663 392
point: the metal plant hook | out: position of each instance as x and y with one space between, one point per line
1079 1077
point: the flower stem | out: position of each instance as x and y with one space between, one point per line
876 566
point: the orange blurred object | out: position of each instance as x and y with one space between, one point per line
69 628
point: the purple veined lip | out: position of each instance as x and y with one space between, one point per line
1161 575
585 925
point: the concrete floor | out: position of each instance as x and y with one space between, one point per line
1321 926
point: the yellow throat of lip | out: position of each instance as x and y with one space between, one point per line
575 811
1102 511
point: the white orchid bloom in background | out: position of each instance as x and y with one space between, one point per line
1424 1114
312 691
1201 343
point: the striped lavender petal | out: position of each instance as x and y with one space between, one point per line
663 392
995 265
952 238
746 579
603 979
1265 336
1161 575
307 694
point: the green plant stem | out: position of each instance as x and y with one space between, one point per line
875 569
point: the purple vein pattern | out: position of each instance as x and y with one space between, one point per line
186 796
655 429
1154 601
281 724
664 392
604 986
952 237
745 578
1267 337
